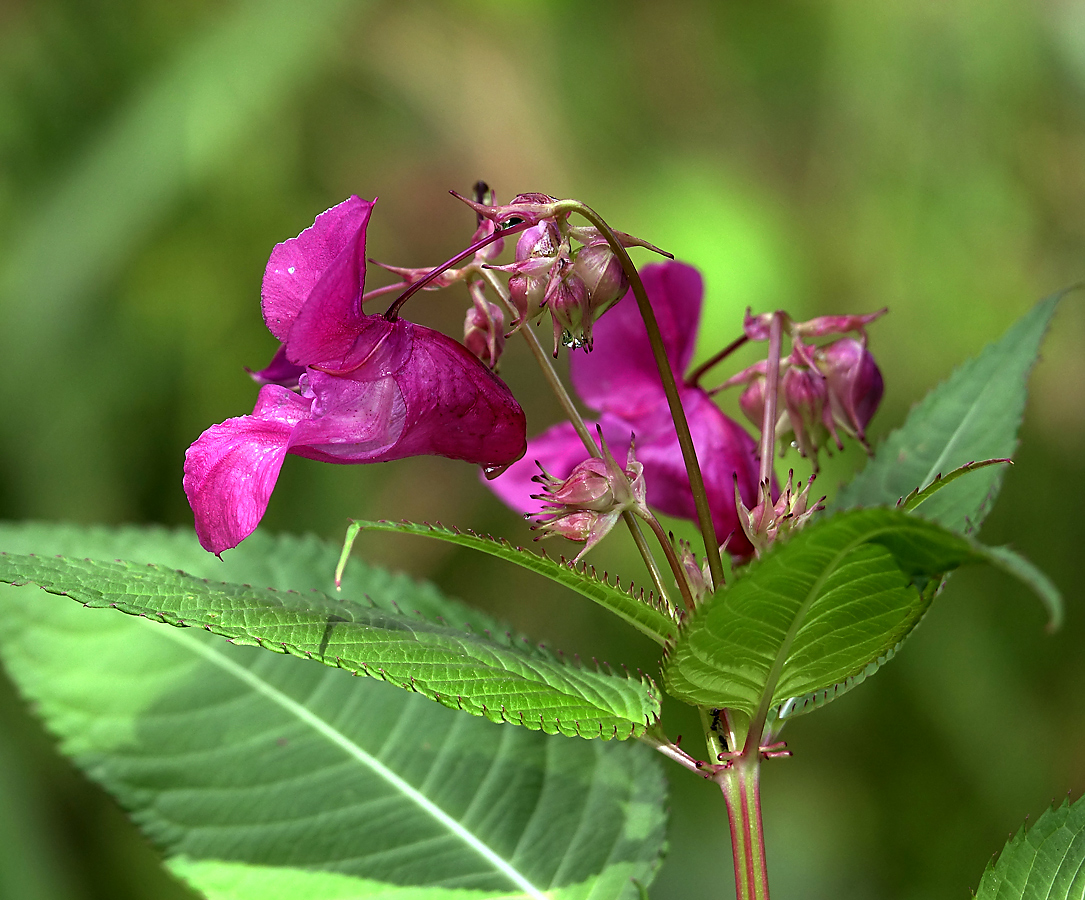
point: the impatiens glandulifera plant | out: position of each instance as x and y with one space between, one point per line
269 775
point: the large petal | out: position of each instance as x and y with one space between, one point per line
619 375
296 266
231 470
418 393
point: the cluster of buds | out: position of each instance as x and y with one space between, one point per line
823 391
767 520
484 328
577 284
586 505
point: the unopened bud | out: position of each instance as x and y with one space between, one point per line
805 397
604 278
531 208
855 385
586 505
768 521
567 300
537 252
484 328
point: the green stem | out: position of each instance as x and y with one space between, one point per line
581 427
772 390
670 387
672 559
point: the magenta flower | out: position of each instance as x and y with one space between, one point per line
346 387
619 379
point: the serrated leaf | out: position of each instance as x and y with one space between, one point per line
922 494
503 680
975 414
262 775
1044 862
643 611
814 613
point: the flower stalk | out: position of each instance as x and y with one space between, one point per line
670 387
577 420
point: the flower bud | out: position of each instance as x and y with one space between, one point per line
855 385
586 505
537 252
767 520
567 300
805 398
533 208
601 271
484 328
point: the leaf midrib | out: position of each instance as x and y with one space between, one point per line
949 445
325 730
773 678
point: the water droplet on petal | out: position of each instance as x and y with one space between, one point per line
491 472
290 270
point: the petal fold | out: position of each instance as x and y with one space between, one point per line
231 469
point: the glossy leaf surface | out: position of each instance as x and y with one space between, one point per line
817 611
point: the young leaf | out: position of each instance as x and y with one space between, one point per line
502 679
1045 861
644 612
262 775
975 414
817 611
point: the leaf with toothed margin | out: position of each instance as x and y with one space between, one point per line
823 608
497 676
647 613
261 775
1044 862
919 496
975 414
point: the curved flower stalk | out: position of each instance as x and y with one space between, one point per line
619 380
345 387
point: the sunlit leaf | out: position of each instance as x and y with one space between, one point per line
816 612
264 776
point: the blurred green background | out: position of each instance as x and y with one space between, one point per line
823 157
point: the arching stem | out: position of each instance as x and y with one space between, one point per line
670 387
578 423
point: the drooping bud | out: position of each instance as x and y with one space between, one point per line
567 299
855 385
601 271
806 400
537 252
484 328
587 504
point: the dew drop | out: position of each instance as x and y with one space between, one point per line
290 270
491 472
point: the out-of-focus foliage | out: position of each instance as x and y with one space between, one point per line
825 157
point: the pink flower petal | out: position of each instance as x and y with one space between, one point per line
231 470
619 375
297 265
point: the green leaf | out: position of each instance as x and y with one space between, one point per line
1044 862
975 414
822 611
643 611
504 679
919 496
264 776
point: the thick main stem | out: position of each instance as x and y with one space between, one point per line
740 784
670 387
